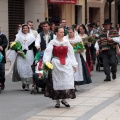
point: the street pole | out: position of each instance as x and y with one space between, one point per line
85 11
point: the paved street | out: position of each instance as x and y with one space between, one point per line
17 104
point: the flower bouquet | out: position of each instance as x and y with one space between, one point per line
78 46
48 66
1 57
89 40
43 69
17 47
40 68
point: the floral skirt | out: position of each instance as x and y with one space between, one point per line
58 94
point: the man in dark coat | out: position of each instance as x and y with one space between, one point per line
3 45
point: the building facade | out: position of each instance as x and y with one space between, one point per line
117 8
98 10
14 12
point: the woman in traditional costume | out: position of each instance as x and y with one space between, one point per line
22 67
81 76
87 55
60 53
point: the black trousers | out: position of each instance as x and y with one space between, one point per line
109 62
2 73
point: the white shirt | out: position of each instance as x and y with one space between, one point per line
38 40
96 46
116 39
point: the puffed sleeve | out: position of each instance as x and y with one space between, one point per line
71 55
38 41
116 39
48 53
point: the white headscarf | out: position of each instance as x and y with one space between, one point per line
29 37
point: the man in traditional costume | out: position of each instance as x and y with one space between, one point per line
45 37
108 50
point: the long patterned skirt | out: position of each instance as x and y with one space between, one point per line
57 94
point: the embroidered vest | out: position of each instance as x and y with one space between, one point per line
43 41
104 44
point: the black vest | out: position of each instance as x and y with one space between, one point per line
43 41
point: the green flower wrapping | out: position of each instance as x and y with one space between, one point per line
17 47
78 46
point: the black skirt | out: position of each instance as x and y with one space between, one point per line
57 94
86 76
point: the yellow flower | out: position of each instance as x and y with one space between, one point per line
49 65
13 43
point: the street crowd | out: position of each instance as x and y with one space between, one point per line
72 51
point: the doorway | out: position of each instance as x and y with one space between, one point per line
54 13
94 14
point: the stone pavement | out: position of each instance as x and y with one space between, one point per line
100 103
96 101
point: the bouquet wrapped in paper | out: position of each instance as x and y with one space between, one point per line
48 66
39 56
17 47
78 46
43 69
1 57
40 68
89 40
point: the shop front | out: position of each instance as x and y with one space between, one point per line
61 9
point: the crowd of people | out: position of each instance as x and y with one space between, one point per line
70 68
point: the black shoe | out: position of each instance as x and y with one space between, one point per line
65 103
23 86
43 89
107 79
57 105
113 76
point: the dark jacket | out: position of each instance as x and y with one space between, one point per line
3 43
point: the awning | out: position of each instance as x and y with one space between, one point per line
62 1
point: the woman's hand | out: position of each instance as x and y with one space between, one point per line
75 69
1 48
19 52
97 52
